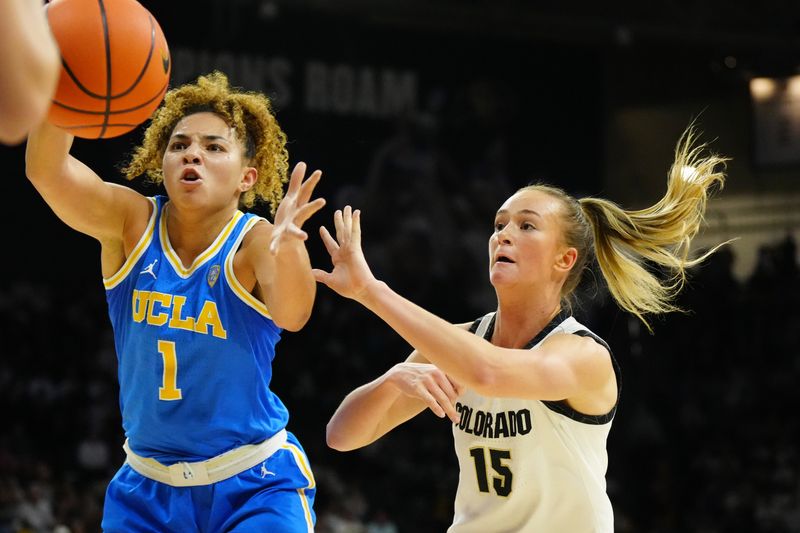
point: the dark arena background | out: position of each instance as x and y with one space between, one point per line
427 115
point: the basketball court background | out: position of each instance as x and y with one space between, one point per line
427 115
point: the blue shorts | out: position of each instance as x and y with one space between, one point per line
275 496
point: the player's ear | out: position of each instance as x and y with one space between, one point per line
566 259
249 178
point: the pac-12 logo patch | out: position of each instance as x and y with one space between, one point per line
213 275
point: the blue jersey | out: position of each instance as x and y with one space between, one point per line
195 349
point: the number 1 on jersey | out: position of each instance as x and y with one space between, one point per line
500 483
169 381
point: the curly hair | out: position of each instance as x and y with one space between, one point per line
248 113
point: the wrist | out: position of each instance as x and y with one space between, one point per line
290 251
370 292
392 378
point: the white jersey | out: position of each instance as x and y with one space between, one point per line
530 465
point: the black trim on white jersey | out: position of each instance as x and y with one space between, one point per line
558 319
561 406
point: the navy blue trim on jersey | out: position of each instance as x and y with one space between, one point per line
474 327
558 319
561 406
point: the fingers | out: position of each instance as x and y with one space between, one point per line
343 220
446 396
296 178
296 232
445 404
447 387
307 188
433 403
305 212
347 223
330 243
347 219
302 190
293 231
338 223
356 228
438 391
458 388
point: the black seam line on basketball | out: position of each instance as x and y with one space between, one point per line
146 63
78 83
119 112
108 66
135 83
73 76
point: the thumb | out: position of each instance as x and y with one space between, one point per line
320 275
295 231
274 245
457 387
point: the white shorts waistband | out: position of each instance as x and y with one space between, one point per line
223 466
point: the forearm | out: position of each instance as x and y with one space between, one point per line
293 287
74 192
47 153
454 350
363 416
31 61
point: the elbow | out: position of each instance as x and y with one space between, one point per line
337 439
291 310
484 379
292 322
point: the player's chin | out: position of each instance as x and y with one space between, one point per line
506 275
179 187
499 278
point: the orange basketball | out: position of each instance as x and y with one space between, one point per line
115 66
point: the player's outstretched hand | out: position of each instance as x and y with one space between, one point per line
426 382
351 274
295 208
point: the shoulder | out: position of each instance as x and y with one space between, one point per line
140 215
256 238
586 353
253 249
570 326
580 342
260 232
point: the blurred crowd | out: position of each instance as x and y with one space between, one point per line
704 440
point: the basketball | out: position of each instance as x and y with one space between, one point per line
115 66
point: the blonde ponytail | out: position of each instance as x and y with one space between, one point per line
629 245
643 255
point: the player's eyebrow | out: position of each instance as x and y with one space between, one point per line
521 211
183 137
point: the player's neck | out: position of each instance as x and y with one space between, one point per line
191 233
520 320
